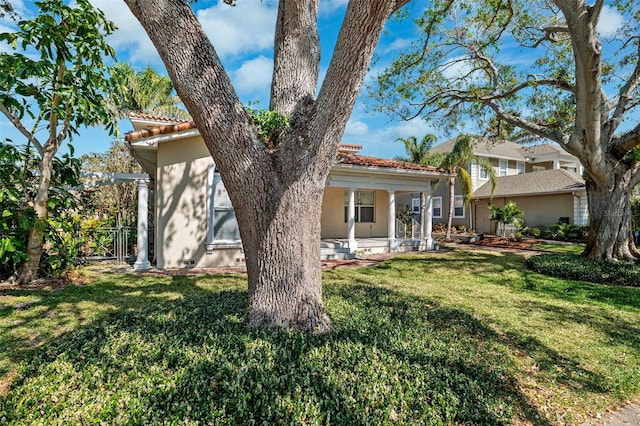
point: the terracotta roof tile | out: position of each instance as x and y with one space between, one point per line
160 130
151 117
363 160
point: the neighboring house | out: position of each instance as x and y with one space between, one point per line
194 222
546 196
543 180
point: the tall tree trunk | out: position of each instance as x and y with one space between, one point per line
283 258
29 269
610 235
452 195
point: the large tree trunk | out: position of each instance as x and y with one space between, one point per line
29 269
283 258
276 192
610 235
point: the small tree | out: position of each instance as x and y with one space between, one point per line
510 214
457 162
55 75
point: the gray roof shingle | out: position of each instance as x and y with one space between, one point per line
542 182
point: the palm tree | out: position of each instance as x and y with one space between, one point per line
145 91
457 162
417 152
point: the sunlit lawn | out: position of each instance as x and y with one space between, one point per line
460 337
575 248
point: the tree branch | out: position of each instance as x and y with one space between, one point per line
625 143
527 125
624 98
18 125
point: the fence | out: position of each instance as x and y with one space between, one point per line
116 243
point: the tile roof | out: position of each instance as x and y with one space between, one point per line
363 160
542 182
151 117
159 130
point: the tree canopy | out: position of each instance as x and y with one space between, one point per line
53 83
543 67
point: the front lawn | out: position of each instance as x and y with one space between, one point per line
465 337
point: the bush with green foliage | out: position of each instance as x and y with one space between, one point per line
510 214
270 125
18 179
576 267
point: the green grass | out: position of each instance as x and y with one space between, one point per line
575 248
465 337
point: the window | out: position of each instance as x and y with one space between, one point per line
365 206
520 167
538 168
222 226
483 174
458 206
503 167
415 205
436 203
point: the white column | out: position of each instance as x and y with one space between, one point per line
427 221
556 164
391 230
351 220
142 261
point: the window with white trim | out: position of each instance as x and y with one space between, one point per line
458 206
520 167
482 173
415 205
365 202
436 207
222 225
503 167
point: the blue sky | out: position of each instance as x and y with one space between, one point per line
243 38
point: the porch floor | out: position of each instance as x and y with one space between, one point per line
338 248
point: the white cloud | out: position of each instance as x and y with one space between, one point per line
327 7
356 128
245 28
610 21
253 77
396 45
130 36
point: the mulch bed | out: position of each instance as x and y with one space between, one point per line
508 243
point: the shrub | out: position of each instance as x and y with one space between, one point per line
530 232
576 267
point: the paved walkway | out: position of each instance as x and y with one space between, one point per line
627 415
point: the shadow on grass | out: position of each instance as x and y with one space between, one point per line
392 358
30 318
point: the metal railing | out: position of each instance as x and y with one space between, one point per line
115 243
408 230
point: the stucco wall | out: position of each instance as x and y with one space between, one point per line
541 210
181 200
332 221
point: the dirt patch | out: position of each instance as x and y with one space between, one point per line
511 243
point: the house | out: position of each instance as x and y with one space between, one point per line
543 180
194 222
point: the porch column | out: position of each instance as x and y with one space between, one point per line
556 164
391 233
427 218
351 220
142 261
